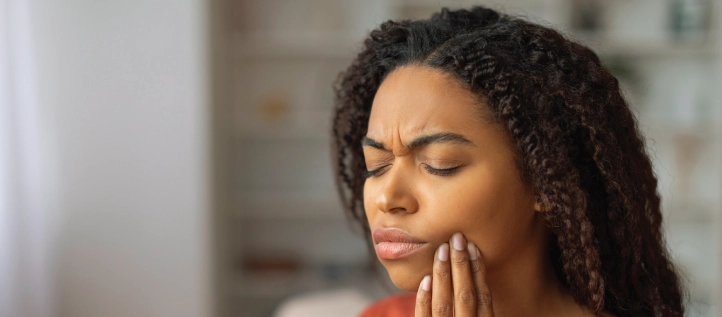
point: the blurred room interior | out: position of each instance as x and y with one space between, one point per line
166 158
287 234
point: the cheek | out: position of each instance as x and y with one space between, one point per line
460 207
369 202
487 207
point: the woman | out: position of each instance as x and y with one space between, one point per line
498 171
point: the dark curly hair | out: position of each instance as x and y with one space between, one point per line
576 141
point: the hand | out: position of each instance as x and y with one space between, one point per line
458 286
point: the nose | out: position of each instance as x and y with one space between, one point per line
396 193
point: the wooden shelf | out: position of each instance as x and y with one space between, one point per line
269 205
690 211
667 129
295 125
330 45
611 45
250 284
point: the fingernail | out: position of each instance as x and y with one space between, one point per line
472 250
458 241
426 283
443 252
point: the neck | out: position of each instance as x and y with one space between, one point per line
527 285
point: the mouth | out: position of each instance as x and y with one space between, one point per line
394 243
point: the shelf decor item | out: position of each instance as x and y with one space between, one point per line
689 20
687 149
275 108
586 15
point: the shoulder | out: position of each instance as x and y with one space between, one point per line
401 305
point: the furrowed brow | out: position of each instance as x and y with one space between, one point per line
445 137
366 141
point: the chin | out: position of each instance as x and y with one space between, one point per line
407 276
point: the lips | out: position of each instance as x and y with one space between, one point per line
394 243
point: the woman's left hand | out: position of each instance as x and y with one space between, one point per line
458 286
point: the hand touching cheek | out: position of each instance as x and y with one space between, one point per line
457 286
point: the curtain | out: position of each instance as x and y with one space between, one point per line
25 185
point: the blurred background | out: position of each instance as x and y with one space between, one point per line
171 158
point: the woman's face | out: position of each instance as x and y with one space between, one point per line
441 168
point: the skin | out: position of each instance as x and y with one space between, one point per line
484 200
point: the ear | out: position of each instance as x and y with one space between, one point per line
537 207
539 203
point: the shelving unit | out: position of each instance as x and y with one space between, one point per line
285 204
608 45
284 60
298 125
274 205
316 45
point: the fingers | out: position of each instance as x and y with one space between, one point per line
441 299
478 271
457 286
464 289
423 298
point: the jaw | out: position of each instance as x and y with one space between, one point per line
407 274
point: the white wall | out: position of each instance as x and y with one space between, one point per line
121 101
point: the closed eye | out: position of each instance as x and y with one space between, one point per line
374 172
434 171
443 171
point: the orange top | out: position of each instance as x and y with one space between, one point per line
401 305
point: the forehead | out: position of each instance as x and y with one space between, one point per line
416 99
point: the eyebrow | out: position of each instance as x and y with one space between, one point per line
444 137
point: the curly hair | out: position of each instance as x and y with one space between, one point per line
576 142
